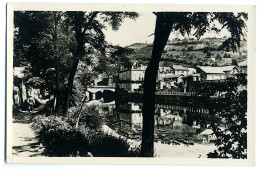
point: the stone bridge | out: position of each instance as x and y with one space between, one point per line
96 89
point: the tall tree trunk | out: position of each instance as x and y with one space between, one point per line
79 114
57 92
57 71
163 28
80 31
69 89
14 103
20 92
54 105
42 92
27 92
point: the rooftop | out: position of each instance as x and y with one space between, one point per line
161 69
216 70
243 63
179 67
173 76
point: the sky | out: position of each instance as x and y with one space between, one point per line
138 31
132 31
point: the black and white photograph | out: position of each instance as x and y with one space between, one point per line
166 82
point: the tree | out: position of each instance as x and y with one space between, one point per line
42 41
116 58
218 56
234 62
208 54
184 22
53 44
232 140
89 38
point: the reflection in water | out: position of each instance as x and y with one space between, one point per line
173 124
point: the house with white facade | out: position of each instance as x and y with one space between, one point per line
131 80
164 72
178 70
217 73
191 71
131 114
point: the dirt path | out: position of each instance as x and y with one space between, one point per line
25 143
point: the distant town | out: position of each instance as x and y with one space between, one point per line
178 78
185 64
184 78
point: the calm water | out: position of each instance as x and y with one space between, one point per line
173 124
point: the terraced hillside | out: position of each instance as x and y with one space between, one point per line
190 52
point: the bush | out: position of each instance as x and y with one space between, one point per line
232 139
62 139
218 56
64 142
91 117
58 137
227 55
48 109
110 146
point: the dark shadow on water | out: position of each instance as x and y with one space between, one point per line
99 95
108 96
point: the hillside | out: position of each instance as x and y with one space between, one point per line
190 52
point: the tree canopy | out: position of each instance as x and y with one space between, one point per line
51 45
186 23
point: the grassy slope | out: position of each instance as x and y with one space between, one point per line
189 52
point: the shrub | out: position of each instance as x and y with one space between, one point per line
62 139
218 56
58 137
48 109
110 146
64 142
227 55
232 140
91 117
49 122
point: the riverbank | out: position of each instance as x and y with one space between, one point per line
170 150
183 151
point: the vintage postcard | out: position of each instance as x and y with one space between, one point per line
130 84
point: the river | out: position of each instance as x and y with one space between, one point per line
173 124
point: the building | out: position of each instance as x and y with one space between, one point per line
243 66
178 70
131 114
191 71
132 80
190 82
102 80
164 72
217 73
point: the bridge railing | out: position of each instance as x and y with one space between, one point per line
170 93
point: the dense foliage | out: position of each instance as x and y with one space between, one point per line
60 137
185 23
231 129
57 47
